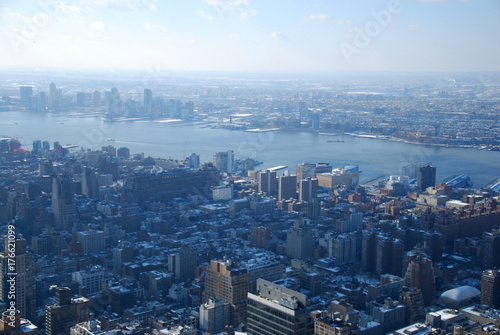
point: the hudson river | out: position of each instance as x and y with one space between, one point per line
375 157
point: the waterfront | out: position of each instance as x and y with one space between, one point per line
376 157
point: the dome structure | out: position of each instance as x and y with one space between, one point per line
460 295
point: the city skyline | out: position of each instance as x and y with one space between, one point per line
243 35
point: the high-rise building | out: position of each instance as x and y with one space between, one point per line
277 310
66 312
412 299
16 262
215 314
308 189
42 102
491 249
267 182
26 93
194 161
304 170
91 240
228 282
97 99
224 161
123 152
182 264
52 95
388 256
287 187
420 275
426 177
148 101
80 99
63 202
490 288
299 240
90 189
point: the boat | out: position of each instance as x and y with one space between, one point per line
110 139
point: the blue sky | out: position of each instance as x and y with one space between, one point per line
252 35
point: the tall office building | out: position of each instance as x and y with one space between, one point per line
426 177
214 316
277 310
91 241
267 182
490 288
26 93
194 161
148 101
63 202
224 161
287 187
80 99
97 99
182 264
228 282
308 189
420 275
25 297
304 170
52 95
66 312
389 256
299 240
491 249
90 189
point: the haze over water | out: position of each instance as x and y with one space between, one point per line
178 139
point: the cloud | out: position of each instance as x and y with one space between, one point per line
344 22
413 26
94 35
279 36
246 14
97 25
150 26
71 10
234 36
204 15
317 17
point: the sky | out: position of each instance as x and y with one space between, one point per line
251 35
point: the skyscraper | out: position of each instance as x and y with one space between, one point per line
26 93
224 161
214 316
52 95
420 274
148 101
426 177
308 189
24 284
267 182
287 187
65 312
63 202
89 183
490 288
277 310
97 99
182 264
228 282
299 240
491 249
194 161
